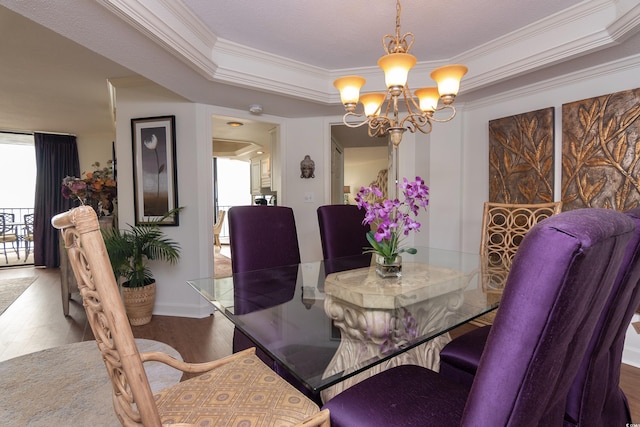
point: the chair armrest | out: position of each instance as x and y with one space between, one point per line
192 368
320 419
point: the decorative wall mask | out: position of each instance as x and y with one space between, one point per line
307 167
521 158
601 152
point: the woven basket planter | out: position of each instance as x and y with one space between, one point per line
138 303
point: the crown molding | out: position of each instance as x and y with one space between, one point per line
627 25
588 74
172 26
579 30
244 66
582 29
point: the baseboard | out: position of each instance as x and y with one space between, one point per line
191 310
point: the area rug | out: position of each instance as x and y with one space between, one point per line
11 289
221 265
69 386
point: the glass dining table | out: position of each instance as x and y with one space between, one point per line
332 323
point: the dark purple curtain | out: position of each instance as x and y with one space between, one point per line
56 158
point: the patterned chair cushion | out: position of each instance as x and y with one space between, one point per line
244 392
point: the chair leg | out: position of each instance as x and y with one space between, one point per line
27 250
15 246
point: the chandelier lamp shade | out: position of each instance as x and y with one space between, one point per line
381 110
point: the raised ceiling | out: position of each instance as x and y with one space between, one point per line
338 34
282 54
240 142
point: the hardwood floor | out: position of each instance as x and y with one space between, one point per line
35 322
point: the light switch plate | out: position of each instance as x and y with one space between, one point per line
308 197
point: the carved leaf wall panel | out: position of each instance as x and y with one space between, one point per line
521 158
601 152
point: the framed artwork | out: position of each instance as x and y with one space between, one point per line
600 152
521 158
154 169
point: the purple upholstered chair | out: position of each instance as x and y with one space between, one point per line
559 282
263 237
595 397
341 230
342 234
260 237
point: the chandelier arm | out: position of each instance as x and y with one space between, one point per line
415 117
352 124
410 101
428 129
379 124
414 120
376 131
389 108
449 107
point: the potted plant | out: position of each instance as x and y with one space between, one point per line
129 252
391 221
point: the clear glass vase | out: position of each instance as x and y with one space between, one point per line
389 268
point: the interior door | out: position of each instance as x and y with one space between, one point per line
337 174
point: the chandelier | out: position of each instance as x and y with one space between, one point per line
396 65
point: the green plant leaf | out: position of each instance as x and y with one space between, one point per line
130 250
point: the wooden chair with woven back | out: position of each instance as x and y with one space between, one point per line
231 391
217 228
504 225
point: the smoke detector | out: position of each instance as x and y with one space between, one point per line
255 109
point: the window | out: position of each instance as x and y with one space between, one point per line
17 170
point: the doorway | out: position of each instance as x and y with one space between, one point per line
245 164
357 160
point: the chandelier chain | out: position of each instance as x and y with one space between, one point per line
397 44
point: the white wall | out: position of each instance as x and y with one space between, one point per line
94 148
307 136
193 162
